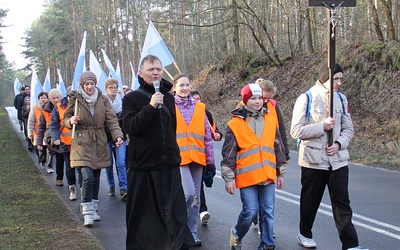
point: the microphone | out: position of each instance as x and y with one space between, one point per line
156 85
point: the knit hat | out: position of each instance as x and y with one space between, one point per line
87 76
324 71
249 90
69 89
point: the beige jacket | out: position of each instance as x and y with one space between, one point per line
312 150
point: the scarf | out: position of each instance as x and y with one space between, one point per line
90 99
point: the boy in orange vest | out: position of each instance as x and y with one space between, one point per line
253 161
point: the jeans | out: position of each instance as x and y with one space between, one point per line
90 184
257 199
119 154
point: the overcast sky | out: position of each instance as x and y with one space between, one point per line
20 16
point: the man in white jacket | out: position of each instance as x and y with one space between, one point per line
323 164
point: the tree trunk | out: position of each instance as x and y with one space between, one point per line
375 21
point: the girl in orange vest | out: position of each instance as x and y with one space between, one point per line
33 128
194 139
253 161
207 176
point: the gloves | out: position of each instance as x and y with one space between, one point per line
208 174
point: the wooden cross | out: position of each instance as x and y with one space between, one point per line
332 6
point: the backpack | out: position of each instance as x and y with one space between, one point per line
309 101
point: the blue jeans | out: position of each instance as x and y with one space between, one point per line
90 184
119 154
257 199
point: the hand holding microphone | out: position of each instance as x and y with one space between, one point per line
158 98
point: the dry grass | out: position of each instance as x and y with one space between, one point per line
32 216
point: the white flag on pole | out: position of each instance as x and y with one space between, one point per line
36 88
17 86
80 66
47 83
61 85
96 68
154 45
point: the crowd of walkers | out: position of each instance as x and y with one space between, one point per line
160 140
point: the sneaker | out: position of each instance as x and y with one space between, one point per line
234 243
50 170
357 248
59 183
306 242
123 194
197 241
111 192
204 217
255 221
43 165
265 247
72 192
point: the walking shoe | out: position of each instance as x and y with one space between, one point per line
234 243
265 247
50 170
306 242
59 183
357 248
197 241
204 217
72 192
123 194
111 192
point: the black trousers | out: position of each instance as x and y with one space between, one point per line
313 183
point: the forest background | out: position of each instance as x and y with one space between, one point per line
223 44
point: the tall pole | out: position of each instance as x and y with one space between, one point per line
331 62
332 6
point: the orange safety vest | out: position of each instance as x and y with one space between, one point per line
256 160
37 112
47 118
190 138
65 133
271 106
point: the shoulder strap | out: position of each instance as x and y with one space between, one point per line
148 94
309 101
341 100
144 92
308 108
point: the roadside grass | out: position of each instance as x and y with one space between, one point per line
32 216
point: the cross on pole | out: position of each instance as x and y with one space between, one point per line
332 6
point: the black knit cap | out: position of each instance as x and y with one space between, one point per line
88 76
324 71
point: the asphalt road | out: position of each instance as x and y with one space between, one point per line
374 195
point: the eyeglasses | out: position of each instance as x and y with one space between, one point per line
113 88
